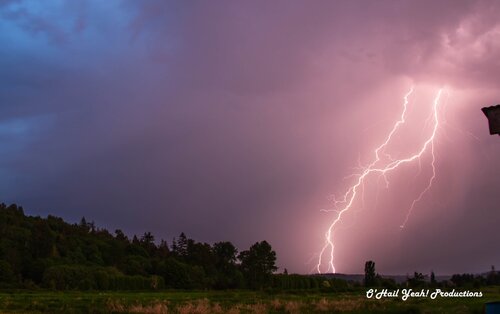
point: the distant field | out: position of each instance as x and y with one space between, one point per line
230 302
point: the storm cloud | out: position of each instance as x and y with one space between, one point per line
237 120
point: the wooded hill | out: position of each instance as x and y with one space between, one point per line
51 253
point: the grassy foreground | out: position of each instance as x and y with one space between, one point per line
231 302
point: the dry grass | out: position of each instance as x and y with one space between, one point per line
292 307
342 305
155 308
276 304
345 305
257 308
216 308
233 302
204 306
234 310
115 306
322 305
200 307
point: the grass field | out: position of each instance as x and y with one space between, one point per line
231 302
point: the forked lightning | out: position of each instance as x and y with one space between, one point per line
381 166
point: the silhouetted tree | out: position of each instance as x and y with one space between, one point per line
201 254
174 247
370 275
225 253
258 264
417 280
84 225
119 235
469 280
148 243
493 277
179 247
163 250
228 275
147 238
182 245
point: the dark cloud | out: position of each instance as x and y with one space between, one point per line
235 121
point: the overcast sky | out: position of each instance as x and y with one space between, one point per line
238 121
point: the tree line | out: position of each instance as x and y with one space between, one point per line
50 253
419 280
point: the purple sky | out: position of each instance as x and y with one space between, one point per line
237 120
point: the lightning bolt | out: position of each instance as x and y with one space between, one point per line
382 167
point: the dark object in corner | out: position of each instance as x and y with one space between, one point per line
492 307
493 115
